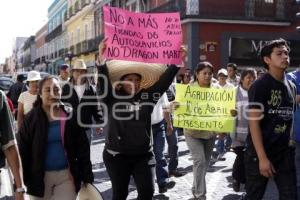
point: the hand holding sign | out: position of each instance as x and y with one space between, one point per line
102 48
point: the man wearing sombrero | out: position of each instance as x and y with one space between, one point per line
130 91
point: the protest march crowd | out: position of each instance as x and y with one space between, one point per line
139 104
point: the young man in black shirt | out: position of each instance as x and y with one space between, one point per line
269 151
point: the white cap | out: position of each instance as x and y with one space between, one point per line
223 71
33 76
79 64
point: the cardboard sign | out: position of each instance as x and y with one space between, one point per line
143 37
204 108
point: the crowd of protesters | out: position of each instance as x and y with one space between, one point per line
129 103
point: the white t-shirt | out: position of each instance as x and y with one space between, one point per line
27 100
157 113
62 82
79 90
226 86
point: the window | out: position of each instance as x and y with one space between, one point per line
71 39
78 35
269 1
132 6
85 36
92 30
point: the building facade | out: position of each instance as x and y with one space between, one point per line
41 49
54 39
28 54
234 30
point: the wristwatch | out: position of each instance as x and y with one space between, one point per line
20 190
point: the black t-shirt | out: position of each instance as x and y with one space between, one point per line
277 102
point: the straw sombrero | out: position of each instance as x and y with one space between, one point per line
90 192
149 72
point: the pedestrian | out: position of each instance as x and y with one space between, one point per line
27 98
81 95
270 151
161 126
54 150
224 140
233 77
241 130
295 78
200 143
63 77
131 90
172 137
8 146
15 90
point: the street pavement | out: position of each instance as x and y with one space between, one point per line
218 178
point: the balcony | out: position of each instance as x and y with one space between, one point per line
76 6
84 46
71 12
72 48
66 17
78 48
84 3
56 32
254 10
61 53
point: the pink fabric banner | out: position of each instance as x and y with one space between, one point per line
144 37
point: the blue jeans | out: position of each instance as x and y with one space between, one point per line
222 143
297 163
173 150
159 136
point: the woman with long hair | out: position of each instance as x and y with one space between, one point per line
54 150
200 143
241 132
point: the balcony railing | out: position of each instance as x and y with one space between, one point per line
61 53
71 12
78 48
279 10
56 32
66 17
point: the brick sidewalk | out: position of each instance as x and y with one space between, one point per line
219 181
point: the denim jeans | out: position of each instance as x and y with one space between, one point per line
120 167
172 141
159 137
224 142
297 163
285 176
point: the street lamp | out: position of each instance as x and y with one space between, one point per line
70 55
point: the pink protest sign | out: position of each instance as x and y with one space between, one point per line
144 37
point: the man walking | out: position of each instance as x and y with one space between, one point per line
269 151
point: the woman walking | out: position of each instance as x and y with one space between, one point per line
241 132
200 143
54 150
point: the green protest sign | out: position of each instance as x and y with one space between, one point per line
204 108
